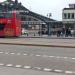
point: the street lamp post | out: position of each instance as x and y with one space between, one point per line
49 24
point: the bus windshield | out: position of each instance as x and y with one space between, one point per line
5 15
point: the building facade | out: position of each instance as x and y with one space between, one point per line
27 16
68 16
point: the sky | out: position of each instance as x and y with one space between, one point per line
45 7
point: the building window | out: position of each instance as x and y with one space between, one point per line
29 19
35 20
72 15
23 18
65 15
68 15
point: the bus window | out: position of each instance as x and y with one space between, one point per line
1 15
8 15
5 15
18 16
2 26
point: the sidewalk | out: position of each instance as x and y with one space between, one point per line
48 37
67 43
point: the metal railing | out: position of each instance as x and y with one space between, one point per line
33 22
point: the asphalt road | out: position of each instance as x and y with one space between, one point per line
18 71
60 61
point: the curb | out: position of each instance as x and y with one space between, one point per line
48 37
42 45
51 37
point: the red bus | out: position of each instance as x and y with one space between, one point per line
10 25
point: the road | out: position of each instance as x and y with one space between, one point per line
60 61
18 71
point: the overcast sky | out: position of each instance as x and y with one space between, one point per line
44 7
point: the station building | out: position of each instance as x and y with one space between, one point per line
34 22
41 22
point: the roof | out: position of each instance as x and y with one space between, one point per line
19 6
69 9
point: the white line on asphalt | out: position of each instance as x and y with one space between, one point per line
38 68
37 55
73 58
27 67
9 65
1 52
25 54
18 66
69 72
51 56
58 70
47 69
65 57
12 53
1 64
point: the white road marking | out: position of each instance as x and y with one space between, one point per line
37 55
25 54
58 70
47 69
51 56
1 52
38 68
69 72
27 67
73 58
1 64
18 66
9 65
12 53
65 57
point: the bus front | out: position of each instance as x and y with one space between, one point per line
9 25
2 23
